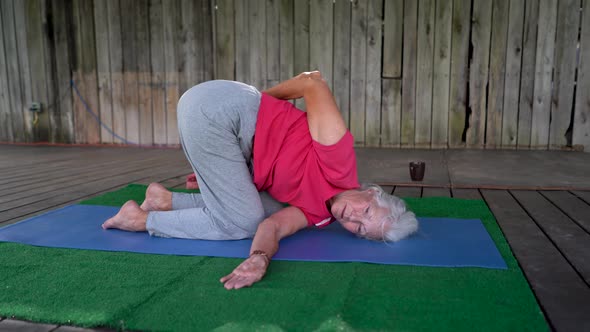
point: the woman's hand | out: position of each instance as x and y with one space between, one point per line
250 271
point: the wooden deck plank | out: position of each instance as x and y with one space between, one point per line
571 240
408 191
85 191
466 193
18 196
584 195
33 193
571 205
562 293
18 326
436 192
79 329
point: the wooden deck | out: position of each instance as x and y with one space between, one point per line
548 230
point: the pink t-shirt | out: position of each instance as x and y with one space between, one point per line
295 169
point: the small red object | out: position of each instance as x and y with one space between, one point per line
191 182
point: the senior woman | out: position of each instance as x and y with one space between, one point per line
252 150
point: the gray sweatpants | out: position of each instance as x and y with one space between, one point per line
216 123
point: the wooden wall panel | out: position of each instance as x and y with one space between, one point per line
15 121
581 128
497 71
224 39
6 121
398 69
62 25
105 89
512 76
373 89
408 129
424 73
527 75
566 43
441 75
459 72
342 44
479 72
158 72
543 74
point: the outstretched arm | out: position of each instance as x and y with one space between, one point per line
281 224
326 124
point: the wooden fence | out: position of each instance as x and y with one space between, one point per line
426 73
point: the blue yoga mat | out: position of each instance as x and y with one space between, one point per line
440 241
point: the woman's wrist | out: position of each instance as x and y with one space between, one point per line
260 256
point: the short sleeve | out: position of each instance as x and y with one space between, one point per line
338 161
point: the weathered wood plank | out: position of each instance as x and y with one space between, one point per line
481 31
130 71
6 133
581 129
88 190
85 69
408 192
258 49
172 30
62 27
543 74
566 43
51 83
358 71
466 193
459 58
393 38
571 205
436 192
321 38
103 69
527 78
224 39
373 88
512 76
37 63
342 48
391 110
15 123
584 195
116 70
242 59
273 54
24 67
441 74
301 57
564 296
190 46
497 73
408 121
17 325
569 237
144 78
158 72
205 41
424 73
286 40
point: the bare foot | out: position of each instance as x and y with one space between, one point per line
130 218
157 198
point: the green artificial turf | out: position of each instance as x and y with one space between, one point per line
180 293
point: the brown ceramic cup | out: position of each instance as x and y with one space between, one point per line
417 169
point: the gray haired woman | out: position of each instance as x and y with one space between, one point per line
253 151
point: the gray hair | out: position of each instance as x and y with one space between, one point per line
400 223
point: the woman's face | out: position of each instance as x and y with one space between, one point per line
359 213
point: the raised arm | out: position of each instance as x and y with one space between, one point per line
326 125
265 244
